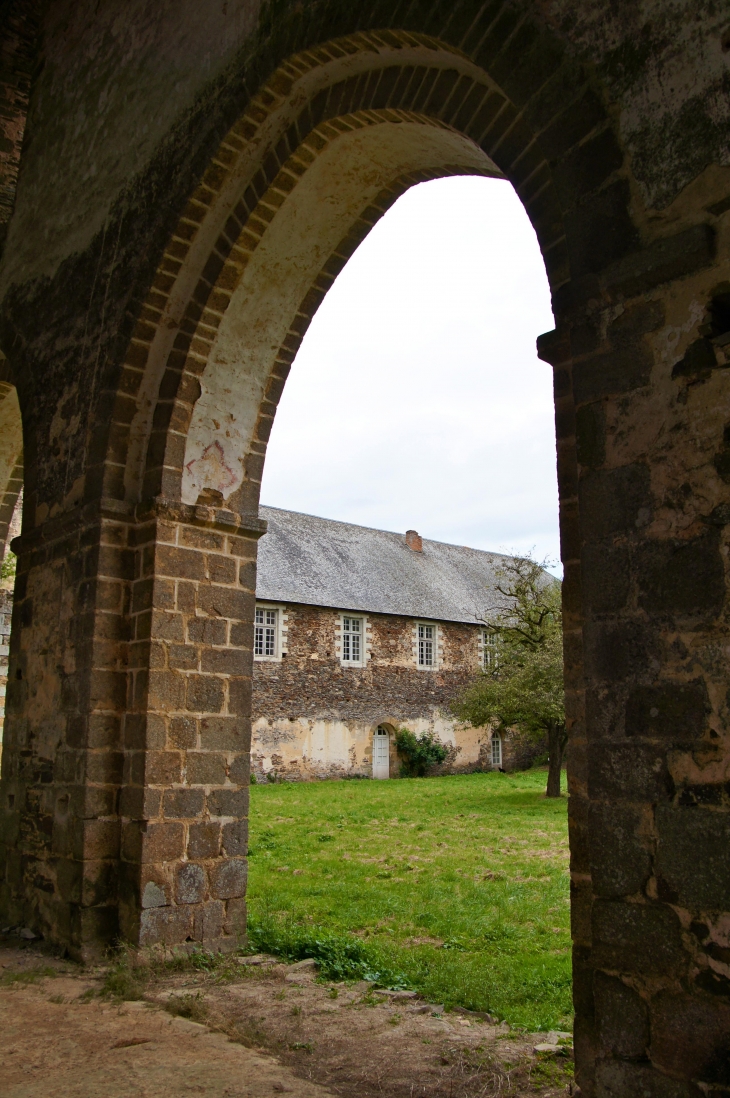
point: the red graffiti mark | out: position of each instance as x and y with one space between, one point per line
210 469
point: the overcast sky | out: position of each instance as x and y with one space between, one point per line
417 400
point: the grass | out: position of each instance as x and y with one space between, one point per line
27 976
455 886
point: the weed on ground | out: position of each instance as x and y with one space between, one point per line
454 886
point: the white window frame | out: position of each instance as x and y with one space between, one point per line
418 640
280 631
496 741
342 639
490 660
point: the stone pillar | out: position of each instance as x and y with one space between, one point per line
186 736
125 766
642 415
61 766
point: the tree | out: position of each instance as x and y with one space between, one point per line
524 686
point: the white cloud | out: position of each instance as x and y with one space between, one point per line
417 399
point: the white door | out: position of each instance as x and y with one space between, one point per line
381 753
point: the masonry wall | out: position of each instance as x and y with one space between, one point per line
6 610
315 718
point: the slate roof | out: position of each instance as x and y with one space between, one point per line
319 562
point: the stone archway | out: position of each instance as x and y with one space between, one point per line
327 145
141 531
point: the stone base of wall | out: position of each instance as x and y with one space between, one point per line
303 749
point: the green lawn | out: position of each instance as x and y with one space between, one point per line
458 883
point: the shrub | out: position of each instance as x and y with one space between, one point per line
418 753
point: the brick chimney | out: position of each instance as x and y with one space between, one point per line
413 541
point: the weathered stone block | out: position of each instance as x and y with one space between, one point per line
590 434
183 732
682 577
638 938
207 631
620 861
697 362
606 577
239 772
700 882
205 768
614 501
161 842
182 563
190 883
204 840
205 694
673 712
615 652
235 918
166 925
608 373
223 733
166 691
222 569
600 231
228 802
196 538
183 803
622 1018
628 772
210 918
183 657
226 602
97 839
239 699
664 259
235 838
163 767
226 661
228 879
615 1079
167 626
690 1038
154 895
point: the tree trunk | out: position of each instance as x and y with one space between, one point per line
556 746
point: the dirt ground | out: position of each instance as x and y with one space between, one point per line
250 1030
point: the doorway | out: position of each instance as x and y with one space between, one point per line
381 752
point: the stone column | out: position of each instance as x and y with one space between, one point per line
125 764
61 765
187 731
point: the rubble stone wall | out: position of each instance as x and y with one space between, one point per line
315 718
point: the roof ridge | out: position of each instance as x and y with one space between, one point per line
378 530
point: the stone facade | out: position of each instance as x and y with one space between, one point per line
315 718
190 181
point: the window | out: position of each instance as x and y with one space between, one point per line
426 636
264 637
352 640
496 749
489 645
